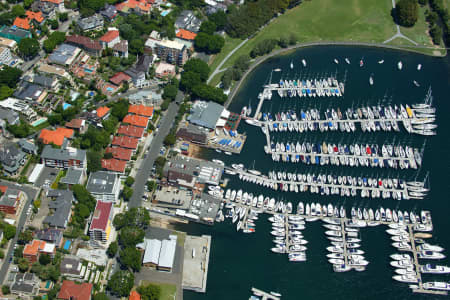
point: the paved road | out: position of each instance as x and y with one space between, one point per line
146 166
218 69
31 194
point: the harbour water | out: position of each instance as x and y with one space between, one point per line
240 261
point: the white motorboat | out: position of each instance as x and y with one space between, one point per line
336 261
275 294
437 285
341 268
336 61
402 264
406 278
292 65
401 256
430 255
405 271
371 80
347 60
381 61
399 65
429 247
434 269
277 70
304 62
419 67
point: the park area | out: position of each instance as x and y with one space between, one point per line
330 20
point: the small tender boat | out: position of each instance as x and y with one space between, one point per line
304 62
371 80
275 294
361 62
277 70
347 60
292 65
336 61
399 65
381 61
416 83
419 67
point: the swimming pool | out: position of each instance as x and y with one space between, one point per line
165 12
109 89
66 105
67 245
38 122
87 70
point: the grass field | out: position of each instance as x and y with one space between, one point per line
230 44
167 290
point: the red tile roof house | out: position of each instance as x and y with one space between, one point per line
119 78
91 46
73 291
103 112
10 200
120 153
110 39
136 120
141 110
114 165
100 227
78 125
125 142
131 131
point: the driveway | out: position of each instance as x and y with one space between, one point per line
143 173
30 193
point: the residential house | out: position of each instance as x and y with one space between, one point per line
114 165
144 63
164 70
35 248
110 39
57 4
214 6
71 267
27 146
54 70
74 175
31 19
64 55
50 235
131 131
5 56
49 82
140 7
19 106
8 116
92 47
120 153
137 77
104 186
10 200
121 49
187 20
134 295
63 158
148 98
11 158
30 92
103 112
74 291
120 78
56 136
94 22
25 285
136 120
101 222
109 12
60 207
186 35
11 44
14 33
125 142
78 125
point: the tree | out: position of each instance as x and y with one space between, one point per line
112 249
121 283
209 43
130 236
5 92
189 80
5 290
151 185
170 139
130 257
407 12
44 259
83 196
28 47
18 11
436 34
120 109
53 24
150 292
220 19
197 66
137 217
23 265
27 3
208 92
127 193
170 92
129 181
283 42
94 5
94 161
100 296
10 76
208 27
227 78
25 237
9 231
63 17
137 46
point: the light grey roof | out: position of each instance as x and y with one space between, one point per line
27 145
90 22
70 264
10 157
29 91
62 207
205 114
187 20
51 235
109 11
9 115
47 81
152 251
204 171
73 176
62 54
63 154
101 182
167 254
10 197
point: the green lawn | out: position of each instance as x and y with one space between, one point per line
419 32
230 44
330 20
167 290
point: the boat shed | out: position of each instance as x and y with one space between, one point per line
151 253
167 254
205 114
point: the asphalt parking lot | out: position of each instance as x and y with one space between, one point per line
47 176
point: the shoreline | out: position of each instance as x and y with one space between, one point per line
282 51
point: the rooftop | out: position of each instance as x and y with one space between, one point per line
130 130
141 110
102 111
64 54
71 265
51 235
120 153
170 44
114 165
167 253
109 36
9 197
73 176
55 136
205 114
71 290
91 22
101 216
62 208
125 142
119 77
38 246
102 182
186 34
84 41
64 154
75 123
136 120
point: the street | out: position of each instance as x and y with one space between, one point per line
143 173
31 194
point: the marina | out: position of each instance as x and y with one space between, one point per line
328 184
343 232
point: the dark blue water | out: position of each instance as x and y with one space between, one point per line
239 261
